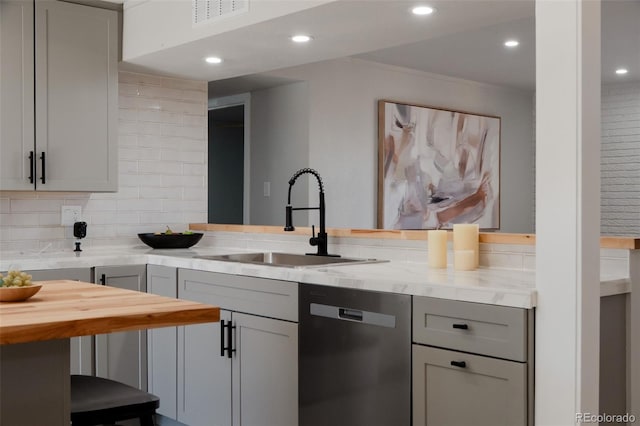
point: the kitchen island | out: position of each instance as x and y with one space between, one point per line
34 367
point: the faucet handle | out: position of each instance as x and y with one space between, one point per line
313 240
289 220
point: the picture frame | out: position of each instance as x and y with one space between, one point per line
437 167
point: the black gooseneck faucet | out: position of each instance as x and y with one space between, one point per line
321 239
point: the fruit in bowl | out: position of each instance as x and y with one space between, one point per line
16 286
15 279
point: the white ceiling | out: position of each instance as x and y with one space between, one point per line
462 39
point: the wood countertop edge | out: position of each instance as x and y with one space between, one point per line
613 242
86 327
64 309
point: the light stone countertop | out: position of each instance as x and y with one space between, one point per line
506 287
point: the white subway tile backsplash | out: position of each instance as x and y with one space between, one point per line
188 205
193 169
35 233
23 219
148 141
146 103
139 205
151 115
5 203
171 194
185 84
140 79
95 205
128 114
167 117
148 128
195 108
51 219
194 95
127 127
35 205
160 167
194 193
184 181
194 120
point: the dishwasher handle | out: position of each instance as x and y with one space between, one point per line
351 314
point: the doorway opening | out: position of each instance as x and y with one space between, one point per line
228 167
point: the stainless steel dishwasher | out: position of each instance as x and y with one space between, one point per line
355 357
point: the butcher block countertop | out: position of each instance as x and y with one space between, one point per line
63 309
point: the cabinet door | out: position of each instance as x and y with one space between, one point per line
122 356
16 94
478 391
204 376
76 51
162 344
81 347
265 372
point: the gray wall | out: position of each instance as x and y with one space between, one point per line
343 143
279 146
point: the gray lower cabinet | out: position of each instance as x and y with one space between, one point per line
472 364
122 356
245 373
81 347
456 389
58 96
162 345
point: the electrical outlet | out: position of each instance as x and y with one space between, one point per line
70 214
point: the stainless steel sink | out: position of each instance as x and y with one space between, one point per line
290 260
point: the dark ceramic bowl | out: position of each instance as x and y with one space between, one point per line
170 241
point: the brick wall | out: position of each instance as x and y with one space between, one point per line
621 159
162 174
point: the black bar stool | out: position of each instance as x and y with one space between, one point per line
99 401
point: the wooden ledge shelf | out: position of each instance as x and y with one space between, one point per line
614 242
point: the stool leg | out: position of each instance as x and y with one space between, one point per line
147 421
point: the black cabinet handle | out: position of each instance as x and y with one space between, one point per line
43 178
32 164
460 364
230 349
103 279
461 326
222 347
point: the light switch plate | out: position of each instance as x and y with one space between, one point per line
70 214
267 189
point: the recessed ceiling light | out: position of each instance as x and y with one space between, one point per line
301 38
422 10
213 60
511 43
622 71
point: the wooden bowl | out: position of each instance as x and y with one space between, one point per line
18 294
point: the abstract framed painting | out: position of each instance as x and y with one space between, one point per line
437 167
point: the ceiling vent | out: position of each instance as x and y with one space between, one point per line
205 11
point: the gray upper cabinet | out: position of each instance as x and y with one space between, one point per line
16 94
65 59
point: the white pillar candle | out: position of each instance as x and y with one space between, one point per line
466 237
437 249
464 260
